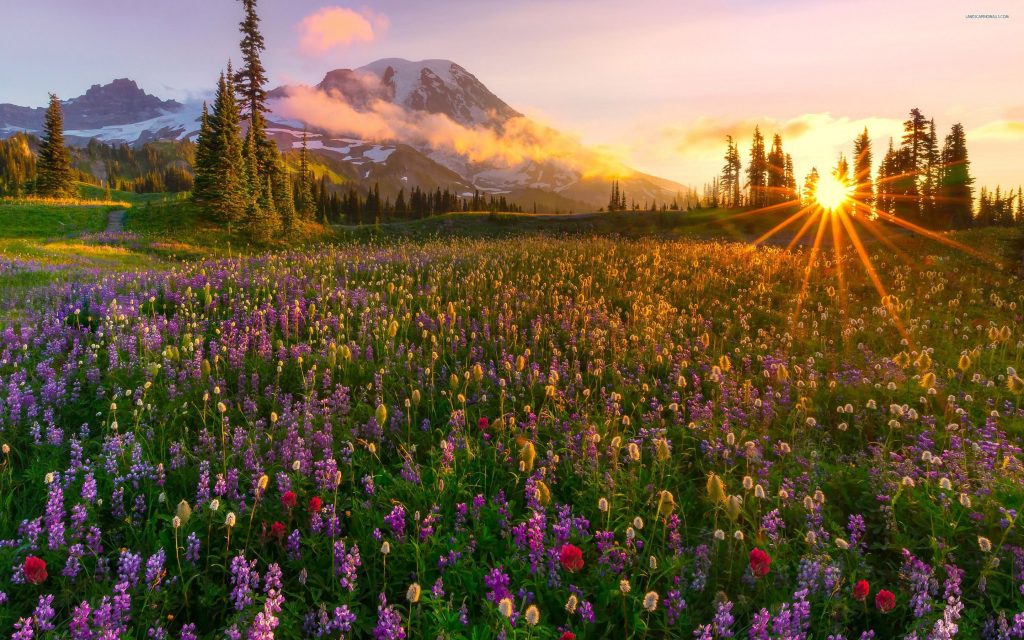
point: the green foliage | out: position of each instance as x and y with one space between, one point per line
17 165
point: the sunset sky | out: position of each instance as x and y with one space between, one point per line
658 83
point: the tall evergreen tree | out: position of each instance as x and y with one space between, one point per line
251 78
810 186
757 170
284 199
791 193
776 175
260 216
888 171
913 166
613 199
864 188
955 192
204 160
930 178
304 204
842 170
731 174
228 191
53 168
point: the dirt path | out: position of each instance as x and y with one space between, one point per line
115 221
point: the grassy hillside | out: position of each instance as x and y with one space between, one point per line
35 220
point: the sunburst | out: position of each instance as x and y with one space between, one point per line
848 207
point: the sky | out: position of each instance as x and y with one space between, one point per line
655 83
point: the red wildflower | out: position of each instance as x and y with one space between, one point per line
289 499
483 423
568 635
861 590
760 563
35 570
277 530
885 601
571 557
315 504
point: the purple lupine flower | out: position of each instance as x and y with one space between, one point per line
346 564
44 613
192 545
155 569
674 606
244 580
79 625
396 521
266 620
922 583
128 567
759 626
389 622
723 620
55 515
342 620
497 581
293 546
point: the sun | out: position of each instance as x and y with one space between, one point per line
832 193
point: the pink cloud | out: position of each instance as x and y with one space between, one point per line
333 27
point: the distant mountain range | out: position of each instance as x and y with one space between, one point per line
393 122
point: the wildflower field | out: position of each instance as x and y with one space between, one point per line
528 437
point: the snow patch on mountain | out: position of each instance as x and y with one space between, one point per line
177 125
354 151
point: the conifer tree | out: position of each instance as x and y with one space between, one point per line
203 165
842 170
757 170
260 216
227 192
930 178
251 80
284 201
53 168
731 172
776 174
888 171
864 188
913 166
810 186
303 191
791 193
955 191
613 201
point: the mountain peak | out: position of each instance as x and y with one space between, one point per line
435 86
117 102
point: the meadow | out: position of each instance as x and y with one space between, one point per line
404 433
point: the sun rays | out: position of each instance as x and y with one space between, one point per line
837 219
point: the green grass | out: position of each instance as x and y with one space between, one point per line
94 192
48 221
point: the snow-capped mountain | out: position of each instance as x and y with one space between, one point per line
394 122
438 86
120 102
